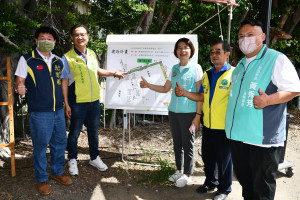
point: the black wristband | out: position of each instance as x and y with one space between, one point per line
198 114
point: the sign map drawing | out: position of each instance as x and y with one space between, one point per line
140 56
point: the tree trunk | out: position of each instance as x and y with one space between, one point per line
140 22
284 17
148 21
169 17
292 23
161 12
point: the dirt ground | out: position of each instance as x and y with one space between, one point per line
131 181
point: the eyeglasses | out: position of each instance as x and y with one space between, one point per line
217 53
79 34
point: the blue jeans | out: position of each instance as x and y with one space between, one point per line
88 114
48 128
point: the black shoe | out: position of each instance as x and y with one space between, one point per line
205 188
220 196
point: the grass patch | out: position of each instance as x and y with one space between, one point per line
160 176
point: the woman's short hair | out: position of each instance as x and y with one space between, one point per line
186 41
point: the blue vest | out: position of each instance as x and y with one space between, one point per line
244 122
44 93
186 79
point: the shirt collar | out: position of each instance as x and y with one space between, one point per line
44 57
224 68
79 53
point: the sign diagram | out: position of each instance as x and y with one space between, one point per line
152 61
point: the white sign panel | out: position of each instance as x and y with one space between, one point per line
150 56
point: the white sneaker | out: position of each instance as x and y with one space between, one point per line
72 164
175 176
183 181
99 164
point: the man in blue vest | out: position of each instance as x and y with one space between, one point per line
39 72
262 84
81 92
213 95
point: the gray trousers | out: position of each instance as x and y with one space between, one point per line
183 140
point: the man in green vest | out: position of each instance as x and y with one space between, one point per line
81 92
213 95
262 84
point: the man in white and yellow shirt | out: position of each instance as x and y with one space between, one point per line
81 92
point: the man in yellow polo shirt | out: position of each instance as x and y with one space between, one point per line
81 92
214 94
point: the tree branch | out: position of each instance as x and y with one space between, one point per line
148 21
140 22
8 41
160 18
169 17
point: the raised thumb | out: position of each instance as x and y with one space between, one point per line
260 92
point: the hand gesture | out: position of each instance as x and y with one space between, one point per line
68 111
261 101
196 122
144 83
21 89
179 91
119 75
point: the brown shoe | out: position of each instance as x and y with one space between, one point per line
63 179
44 188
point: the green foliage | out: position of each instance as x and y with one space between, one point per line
12 26
18 22
98 45
160 176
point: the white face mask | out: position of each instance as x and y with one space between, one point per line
247 44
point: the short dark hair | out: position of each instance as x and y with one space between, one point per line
252 22
79 25
225 45
45 29
186 41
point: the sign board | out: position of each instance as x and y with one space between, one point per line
221 1
147 55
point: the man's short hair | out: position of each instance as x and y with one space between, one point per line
252 22
187 42
79 25
45 29
225 45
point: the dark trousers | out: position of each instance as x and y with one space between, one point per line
216 155
183 140
255 168
88 113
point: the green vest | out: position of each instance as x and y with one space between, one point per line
214 114
186 79
87 88
244 122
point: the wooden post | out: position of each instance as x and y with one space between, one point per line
11 143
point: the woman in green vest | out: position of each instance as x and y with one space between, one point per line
182 111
